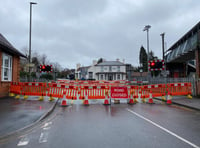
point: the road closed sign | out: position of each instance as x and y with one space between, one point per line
119 92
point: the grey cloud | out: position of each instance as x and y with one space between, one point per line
77 31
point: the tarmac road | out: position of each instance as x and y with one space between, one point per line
115 126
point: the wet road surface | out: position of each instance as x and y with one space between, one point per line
115 126
16 114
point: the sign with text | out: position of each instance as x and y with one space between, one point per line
119 92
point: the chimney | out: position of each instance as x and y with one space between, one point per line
78 65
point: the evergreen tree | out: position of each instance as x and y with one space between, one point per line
143 59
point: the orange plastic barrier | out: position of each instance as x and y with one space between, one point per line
33 89
179 88
133 90
71 92
56 90
93 92
15 87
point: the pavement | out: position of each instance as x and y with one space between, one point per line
193 103
19 114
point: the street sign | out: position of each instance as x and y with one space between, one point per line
119 92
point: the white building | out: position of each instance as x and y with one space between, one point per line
107 70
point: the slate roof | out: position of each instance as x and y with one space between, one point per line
111 63
7 47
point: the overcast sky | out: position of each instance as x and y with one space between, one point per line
80 31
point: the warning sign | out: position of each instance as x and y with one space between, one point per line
119 92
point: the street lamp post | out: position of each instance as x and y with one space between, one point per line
146 28
31 3
163 48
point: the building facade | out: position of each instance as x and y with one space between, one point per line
108 70
10 65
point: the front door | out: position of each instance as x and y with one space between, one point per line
110 77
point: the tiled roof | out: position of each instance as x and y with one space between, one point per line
7 47
111 63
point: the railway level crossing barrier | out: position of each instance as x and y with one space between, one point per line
87 91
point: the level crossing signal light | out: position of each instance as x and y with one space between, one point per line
156 65
46 68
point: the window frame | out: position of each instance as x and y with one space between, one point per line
4 67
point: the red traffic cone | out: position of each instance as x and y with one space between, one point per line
64 102
86 102
106 102
169 101
150 99
131 101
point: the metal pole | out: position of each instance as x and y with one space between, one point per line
29 60
31 3
163 53
146 28
147 46
163 47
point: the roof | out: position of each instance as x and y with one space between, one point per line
7 47
111 63
86 67
185 36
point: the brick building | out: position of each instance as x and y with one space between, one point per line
10 65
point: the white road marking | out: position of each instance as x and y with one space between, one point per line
164 129
24 141
43 137
46 126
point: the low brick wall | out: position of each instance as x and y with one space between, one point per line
4 88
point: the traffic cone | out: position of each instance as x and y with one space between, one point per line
169 101
150 99
86 102
106 102
64 102
131 101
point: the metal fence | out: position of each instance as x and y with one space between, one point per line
170 80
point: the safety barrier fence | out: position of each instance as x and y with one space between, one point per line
83 91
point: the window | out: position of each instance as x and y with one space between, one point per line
118 76
118 68
101 68
110 68
6 69
90 75
101 77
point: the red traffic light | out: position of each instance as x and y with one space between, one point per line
46 68
152 64
43 67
